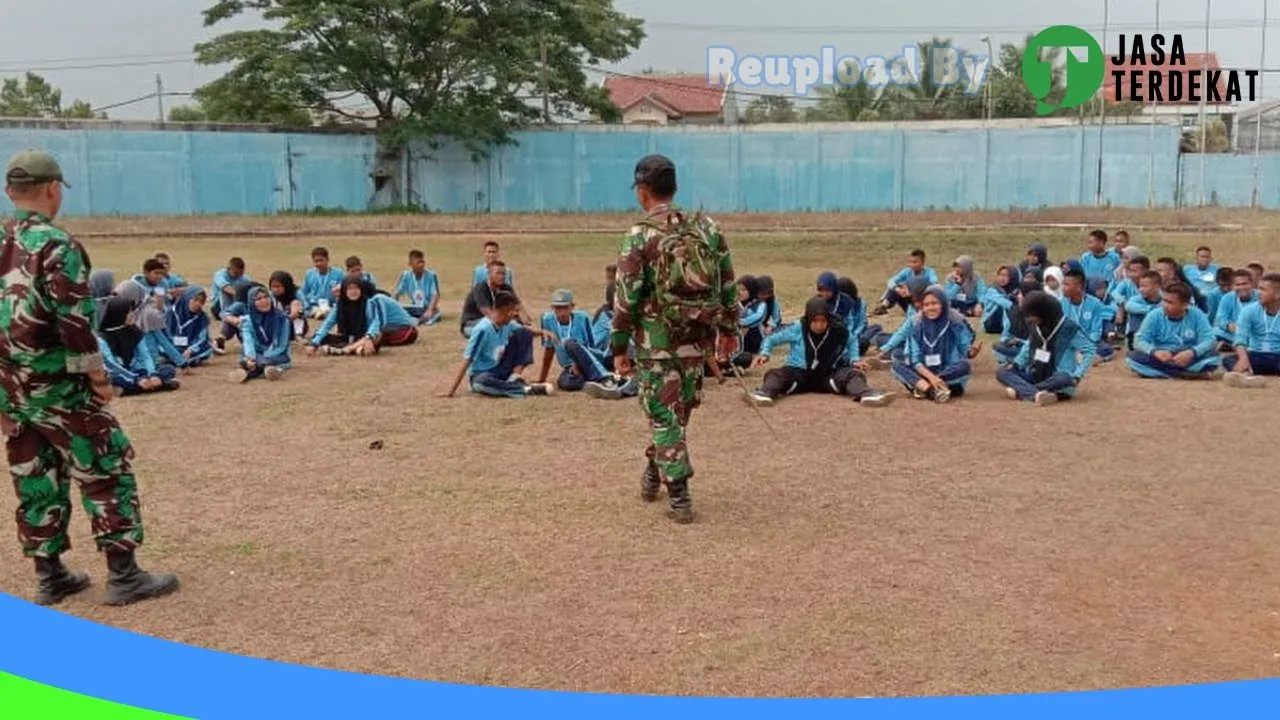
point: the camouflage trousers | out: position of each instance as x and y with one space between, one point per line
669 391
88 446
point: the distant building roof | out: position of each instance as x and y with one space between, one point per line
1195 62
677 94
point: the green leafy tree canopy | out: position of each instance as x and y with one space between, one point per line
31 96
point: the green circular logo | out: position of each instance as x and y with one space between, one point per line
1085 67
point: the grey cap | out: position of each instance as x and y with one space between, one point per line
561 298
652 167
33 166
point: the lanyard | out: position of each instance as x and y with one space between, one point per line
1057 327
264 334
809 339
937 338
565 331
1268 326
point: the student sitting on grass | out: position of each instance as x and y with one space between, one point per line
174 283
1172 274
497 353
355 266
320 285
1243 292
1099 262
1203 273
892 346
479 302
493 254
816 362
150 320
285 294
1036 264
966 288
1149 298
226 283
1175 341
1017 330
1128 255
610 293
1087 312
773 307
188 326
1224 286
129 355
750 321
1000 299
232 314
1121 241
101 285
939 346
1051 364
1257 338
264 338
856 321
569 340
1126 289
1053 281
366 320
844 308
152 280
897 291
421 287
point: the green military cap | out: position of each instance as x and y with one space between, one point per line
33 166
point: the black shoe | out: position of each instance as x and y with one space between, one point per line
129 583
650 483
681 504
55 583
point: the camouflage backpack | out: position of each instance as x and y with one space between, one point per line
686 273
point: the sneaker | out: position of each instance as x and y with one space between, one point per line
1011 393
918 394
1045 398
757 398
605 389
880 399
875 362
942 396
1246 382
539 389
273 373
238 375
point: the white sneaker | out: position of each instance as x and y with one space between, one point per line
1045 398
758 399
606 389
273 373
942 396
1245 382
880 399
1011 393
539 389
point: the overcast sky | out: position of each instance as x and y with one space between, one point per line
132 41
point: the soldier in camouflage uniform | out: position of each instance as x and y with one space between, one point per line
670 356
53 393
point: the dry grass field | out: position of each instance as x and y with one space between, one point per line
1131 537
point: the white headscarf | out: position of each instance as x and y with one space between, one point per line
1055 273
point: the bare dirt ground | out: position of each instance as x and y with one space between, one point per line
1127 538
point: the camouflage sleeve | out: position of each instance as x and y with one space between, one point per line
629 295
728 285
66 279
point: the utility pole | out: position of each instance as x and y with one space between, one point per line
159 99
546 92
1102 110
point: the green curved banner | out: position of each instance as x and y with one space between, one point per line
23 698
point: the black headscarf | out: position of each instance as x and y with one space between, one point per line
352 320
1015 280
121 336
822 353
1055 332
1018 325
243 287
286 298
765 286
753 287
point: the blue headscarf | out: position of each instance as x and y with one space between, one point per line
268 325
935 337
840 305
181 310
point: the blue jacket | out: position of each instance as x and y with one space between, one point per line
317 287
1229 308
1192 332
142 367
420 290
1091 315
1256 331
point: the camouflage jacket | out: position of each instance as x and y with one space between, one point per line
635 317
46 312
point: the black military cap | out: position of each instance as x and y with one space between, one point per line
652 167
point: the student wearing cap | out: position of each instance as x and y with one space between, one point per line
669 358
568 339
53 408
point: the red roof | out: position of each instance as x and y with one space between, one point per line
679 94
1194 63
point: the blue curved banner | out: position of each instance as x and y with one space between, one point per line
61 651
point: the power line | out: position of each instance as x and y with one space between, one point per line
99 58
99 66
1240 23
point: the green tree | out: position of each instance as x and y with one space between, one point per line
33 97
771 109
858 102
187 113
458 68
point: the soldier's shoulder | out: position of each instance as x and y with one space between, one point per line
44 232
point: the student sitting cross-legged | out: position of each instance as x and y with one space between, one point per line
1000 298
1136 309
966 288
498 350
751 321
320 285
420 285
264 339
1052 362
570 341
366 320
817 362
1175 341
897 292
128 354
939 346
188 326
1224 322
1016 330
1257 338
1087 312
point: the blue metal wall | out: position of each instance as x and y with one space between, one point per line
814 168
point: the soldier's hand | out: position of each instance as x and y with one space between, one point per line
104 392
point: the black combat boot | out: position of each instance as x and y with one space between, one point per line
55 583
681 504
650 483
129 583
